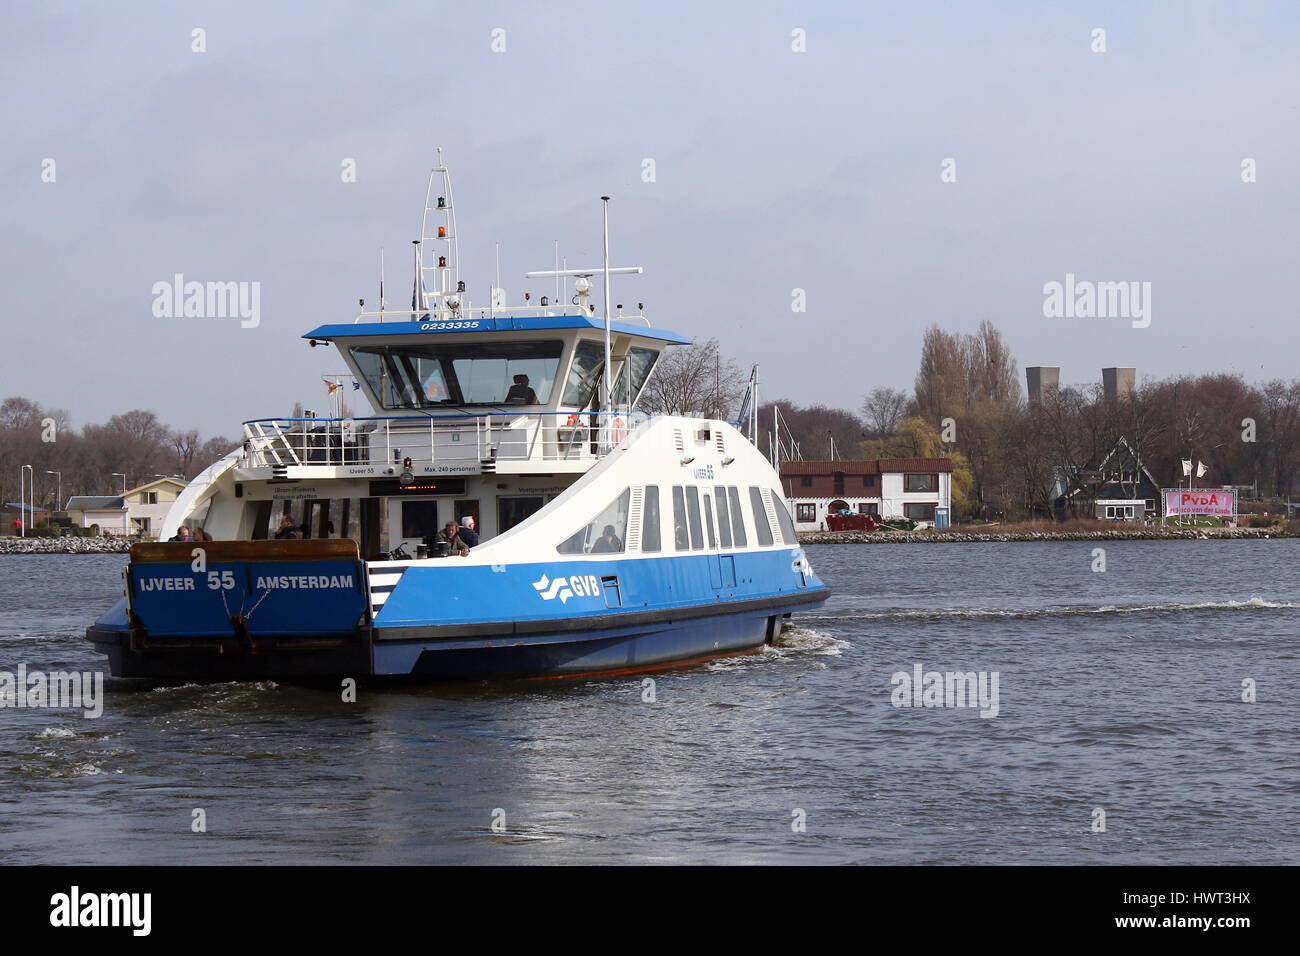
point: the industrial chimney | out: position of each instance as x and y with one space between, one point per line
1042 379
1118 382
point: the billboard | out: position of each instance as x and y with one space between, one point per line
1200 501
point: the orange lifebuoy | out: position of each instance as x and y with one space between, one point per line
572 420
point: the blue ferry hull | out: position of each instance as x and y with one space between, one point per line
447 621
674 642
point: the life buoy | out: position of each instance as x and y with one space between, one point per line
571 421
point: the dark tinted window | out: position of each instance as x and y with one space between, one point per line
708 519
761 527
724 517
681 541
693 513
650 519
737 517
783 519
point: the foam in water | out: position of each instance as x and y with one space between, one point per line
1060 611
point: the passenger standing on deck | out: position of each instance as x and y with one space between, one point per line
467 532
455 543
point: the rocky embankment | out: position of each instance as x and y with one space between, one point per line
1133 534
65 545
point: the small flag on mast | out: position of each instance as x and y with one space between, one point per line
1201 469
1187 466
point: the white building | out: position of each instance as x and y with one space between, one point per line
140 511
916 488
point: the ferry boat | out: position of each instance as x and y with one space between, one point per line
610 542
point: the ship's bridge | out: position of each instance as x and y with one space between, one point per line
506 391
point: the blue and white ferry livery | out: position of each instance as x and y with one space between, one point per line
610 542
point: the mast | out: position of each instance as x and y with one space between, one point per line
438 227
605 379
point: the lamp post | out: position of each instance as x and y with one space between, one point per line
58 501
26 478
118 474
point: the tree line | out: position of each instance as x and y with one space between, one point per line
1012 456
134 443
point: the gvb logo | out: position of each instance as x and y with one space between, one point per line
582 585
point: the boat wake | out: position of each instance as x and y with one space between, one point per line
905 614
794 643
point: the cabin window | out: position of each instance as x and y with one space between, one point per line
419 518
708 520
724 518
584 373
513 510
737 517
806 513
783 519
681 540
761 524
460 373
603 534
650 520
693 516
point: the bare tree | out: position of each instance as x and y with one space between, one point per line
694 380
884 410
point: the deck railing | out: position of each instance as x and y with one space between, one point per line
461 439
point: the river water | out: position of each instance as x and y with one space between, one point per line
1119 694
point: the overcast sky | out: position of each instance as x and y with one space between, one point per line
774 170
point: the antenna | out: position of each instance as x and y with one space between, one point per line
606 381
381 283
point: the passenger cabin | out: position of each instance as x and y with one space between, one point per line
482 413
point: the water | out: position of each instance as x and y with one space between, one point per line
1118 690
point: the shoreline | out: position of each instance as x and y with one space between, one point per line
123 545
952 536
65 545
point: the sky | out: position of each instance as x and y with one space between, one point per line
795 146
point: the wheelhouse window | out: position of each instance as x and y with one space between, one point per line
584 373
640 362
430 374
921 482
603 534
